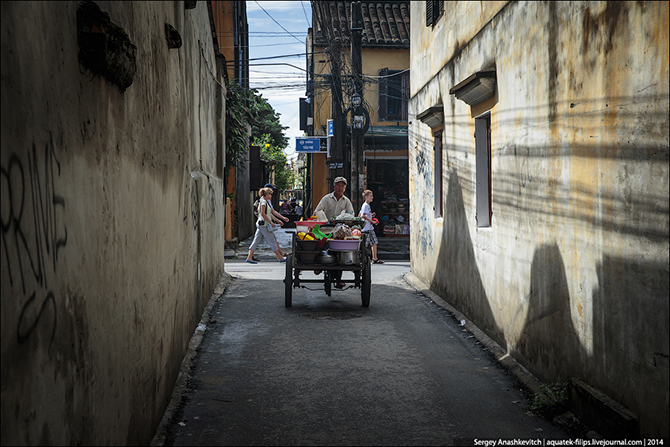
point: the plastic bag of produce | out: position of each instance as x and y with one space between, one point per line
341 231
345 216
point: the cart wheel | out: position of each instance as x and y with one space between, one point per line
326 282
367 281
288 282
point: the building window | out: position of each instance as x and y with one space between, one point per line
437 157
393 94
434 10
483 168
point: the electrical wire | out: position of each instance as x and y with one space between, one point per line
387 76
256 46
283 87
259 5
278 33
277 57
303 10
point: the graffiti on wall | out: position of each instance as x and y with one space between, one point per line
33 233
195 208
424 189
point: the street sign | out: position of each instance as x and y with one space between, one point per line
330 128
303 144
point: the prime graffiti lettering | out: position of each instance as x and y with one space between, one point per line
32 231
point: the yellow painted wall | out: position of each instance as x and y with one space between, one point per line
373 60
322 107
320 184
434 46
222 12
572 275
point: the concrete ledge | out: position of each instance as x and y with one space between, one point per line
596 410
392 256
229 253
593 409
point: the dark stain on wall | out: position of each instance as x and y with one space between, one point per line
104 47
552 75
607 19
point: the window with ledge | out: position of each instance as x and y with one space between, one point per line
393 94
434 10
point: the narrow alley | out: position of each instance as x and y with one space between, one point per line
329 372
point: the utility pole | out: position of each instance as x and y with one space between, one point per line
337 148
357 118
325 19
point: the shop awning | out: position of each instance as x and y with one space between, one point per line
385 138
388 131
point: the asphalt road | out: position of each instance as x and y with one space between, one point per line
329 372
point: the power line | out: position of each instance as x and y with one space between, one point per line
286 86
256 46
279 33
277 57
303 10
259 5
388 76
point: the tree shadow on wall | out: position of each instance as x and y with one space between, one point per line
548 345
630 325
457 276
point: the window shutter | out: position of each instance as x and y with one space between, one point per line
383 94
404 87
429 12
483 186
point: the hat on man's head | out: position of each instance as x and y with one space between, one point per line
270 185
340 179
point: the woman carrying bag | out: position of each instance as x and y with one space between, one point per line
263 224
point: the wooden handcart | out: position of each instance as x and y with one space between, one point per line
307 256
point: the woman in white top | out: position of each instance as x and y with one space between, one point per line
263 225
367 215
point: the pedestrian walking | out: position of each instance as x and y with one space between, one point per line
265 225
277 216
368 216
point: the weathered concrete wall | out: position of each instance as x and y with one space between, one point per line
112 220
572 276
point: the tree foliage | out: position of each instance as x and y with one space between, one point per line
265 121
248 106
275 160
237 135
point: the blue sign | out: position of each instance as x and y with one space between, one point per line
330 128
307 144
